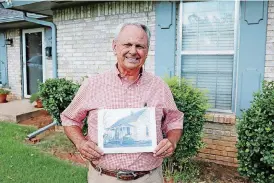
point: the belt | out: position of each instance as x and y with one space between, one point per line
121 175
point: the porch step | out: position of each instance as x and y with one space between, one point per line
18 110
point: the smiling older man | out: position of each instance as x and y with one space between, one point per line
126 86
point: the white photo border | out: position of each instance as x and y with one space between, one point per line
127 149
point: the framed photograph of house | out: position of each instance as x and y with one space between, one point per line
128 130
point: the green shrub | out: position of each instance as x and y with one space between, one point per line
56 95
194 104
256 137
4 91
34 97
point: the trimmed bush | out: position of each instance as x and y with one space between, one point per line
56 95
193 103
256 137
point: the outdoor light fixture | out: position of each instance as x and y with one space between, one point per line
48 51
9 41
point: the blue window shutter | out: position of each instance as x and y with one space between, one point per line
165 39
3 59
252 47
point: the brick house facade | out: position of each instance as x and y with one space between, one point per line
84 41
14 65
84 37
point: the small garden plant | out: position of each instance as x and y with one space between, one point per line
4 91
34 97
256 137
3 95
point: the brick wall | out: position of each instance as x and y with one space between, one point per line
220 138
14 65
85 34
269 63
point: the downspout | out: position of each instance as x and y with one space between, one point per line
54 62
37 132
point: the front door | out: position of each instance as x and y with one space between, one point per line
33 60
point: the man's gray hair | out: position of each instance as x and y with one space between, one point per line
123 25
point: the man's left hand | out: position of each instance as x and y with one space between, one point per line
164 149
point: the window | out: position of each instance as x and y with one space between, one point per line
207 49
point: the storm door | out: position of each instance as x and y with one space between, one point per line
33 60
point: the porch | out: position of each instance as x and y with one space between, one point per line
17 111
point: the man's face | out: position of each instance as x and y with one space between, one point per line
131 48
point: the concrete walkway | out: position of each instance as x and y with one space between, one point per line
18 110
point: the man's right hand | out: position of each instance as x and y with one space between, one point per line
89 150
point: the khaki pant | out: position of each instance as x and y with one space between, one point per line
156 176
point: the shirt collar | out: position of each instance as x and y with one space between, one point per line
118 74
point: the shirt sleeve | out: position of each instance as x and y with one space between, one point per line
77 110
173 118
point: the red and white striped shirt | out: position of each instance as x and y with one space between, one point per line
110 91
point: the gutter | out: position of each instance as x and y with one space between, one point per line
54 63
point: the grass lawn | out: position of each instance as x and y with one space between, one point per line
23 163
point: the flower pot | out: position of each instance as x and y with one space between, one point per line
168 180
3 98
39 104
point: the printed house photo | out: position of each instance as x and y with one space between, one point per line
127 130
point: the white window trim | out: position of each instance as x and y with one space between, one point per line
179 40
219 52
236 56
234 52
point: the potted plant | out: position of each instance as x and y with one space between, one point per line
3 95
36 97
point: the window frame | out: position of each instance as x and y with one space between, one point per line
180 52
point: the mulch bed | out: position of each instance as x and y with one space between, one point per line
38 121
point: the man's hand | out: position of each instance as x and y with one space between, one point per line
164 149
89 150
167 146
